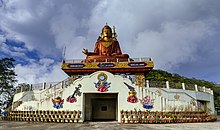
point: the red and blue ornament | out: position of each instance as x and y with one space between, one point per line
102 85
147 102
132 94
58 102
72 98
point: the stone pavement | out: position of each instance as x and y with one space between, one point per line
15 125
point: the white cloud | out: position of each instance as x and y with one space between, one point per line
2 39
171 32
27 21
19 49
38 72
14 52
175 43
64 27
46 26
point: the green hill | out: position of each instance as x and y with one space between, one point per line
160 75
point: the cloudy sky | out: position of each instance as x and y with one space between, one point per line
181 36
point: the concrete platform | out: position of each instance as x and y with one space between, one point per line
14 125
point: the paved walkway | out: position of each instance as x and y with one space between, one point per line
14 125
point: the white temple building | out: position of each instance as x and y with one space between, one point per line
105 86
120 94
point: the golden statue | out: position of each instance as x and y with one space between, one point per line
106 48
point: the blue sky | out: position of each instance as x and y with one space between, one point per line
181 36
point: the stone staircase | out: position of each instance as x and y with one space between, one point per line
56 90
167 104
42 95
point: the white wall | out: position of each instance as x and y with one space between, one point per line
164 98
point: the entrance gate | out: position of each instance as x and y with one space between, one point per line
100 106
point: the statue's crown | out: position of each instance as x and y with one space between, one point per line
106 27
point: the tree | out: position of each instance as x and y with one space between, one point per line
7 82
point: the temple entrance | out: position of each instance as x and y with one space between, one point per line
103 109
101 106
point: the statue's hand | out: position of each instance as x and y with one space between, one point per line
85 51
114 54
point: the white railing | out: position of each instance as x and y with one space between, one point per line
55 90
38 86
145 59
73 61
171 85
48 90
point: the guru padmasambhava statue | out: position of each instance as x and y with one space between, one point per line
106 48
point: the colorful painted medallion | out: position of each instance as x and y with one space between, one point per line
58 102
147 102
132 97
132 94
102 85
72 98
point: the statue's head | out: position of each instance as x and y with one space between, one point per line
106 32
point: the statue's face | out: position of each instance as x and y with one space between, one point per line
107 32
